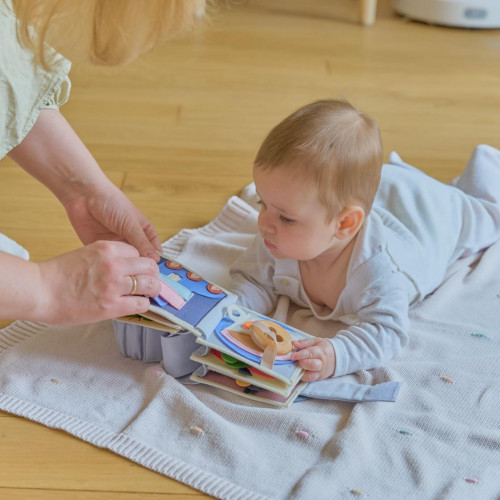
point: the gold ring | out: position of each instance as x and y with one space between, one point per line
134 285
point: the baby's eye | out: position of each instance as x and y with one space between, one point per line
261 203
286 220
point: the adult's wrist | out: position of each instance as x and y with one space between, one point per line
54 154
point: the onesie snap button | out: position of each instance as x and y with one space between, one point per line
285 282
350 319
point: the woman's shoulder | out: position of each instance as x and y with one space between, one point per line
30 87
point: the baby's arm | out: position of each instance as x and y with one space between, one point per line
316 356
382 311
382 328
252 278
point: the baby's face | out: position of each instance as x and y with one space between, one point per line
292 220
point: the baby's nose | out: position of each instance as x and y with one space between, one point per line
265 224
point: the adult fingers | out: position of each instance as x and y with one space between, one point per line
141 277
131 304
139 266
120 263
145 240
139 284
152 236
115 249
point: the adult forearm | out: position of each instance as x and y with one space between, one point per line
97 209
55 155
21 295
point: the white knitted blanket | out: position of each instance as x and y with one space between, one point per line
441 439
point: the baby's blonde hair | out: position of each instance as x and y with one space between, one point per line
104 32
335 145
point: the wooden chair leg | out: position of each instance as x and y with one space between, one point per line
367 11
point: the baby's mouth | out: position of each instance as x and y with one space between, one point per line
269 245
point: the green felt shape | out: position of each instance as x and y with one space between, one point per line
232 362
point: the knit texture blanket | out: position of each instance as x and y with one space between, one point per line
441 439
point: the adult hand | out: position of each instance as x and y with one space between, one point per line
107 214
55 155
94 283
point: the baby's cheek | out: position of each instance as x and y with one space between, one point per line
312 247
302 250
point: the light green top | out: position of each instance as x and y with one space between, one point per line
25 89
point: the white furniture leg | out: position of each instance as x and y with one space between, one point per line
367 11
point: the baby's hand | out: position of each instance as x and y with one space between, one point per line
316 356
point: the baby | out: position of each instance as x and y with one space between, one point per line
354 240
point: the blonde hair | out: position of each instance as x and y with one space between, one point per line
103 32
335 145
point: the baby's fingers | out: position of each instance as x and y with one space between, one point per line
316 356
305 352
311 376
307 359
314 365
303 343
299 355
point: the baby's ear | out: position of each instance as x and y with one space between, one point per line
350 220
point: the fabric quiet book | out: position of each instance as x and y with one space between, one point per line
239 350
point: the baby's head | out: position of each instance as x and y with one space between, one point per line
317 174
331 145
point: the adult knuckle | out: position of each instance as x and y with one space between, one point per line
104 246
107 288
142 304
104 306
110 267
152 267
152 285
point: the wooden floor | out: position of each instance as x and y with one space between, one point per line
178 129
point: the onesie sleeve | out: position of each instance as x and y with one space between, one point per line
252 278
25 88
379 326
